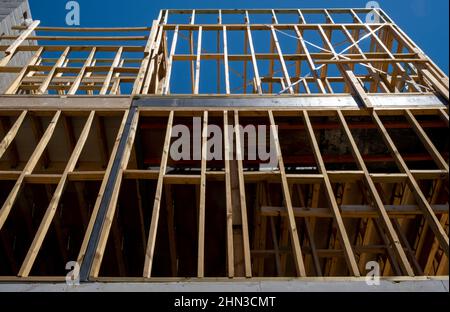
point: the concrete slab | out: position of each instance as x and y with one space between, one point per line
295 285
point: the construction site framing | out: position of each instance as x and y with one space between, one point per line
362 149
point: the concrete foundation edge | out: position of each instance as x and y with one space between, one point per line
435 285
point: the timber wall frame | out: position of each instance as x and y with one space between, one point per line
391 208
310 52
418 194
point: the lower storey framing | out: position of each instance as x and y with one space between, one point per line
352 190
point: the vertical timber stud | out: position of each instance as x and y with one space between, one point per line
247 21
93 231
73 89
201 211
9 137
421 200
153 67
357 88
88 75
11 50
191 49
348 74
229 205
281 58
122 158
242 200
444 116
219 20
17 82
378 203
441 88
53 206
348 252
272 51
43 88
29 167
166 88
437 157
110 74
149 254
311 65
170 229
148 52
299 265
225 61
254 61
198 61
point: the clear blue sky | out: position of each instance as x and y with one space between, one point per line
425 21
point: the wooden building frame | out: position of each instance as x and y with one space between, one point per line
360 134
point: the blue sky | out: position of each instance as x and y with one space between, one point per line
425 21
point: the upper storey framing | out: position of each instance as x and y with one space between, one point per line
359 52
